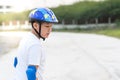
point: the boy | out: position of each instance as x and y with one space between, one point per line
29 63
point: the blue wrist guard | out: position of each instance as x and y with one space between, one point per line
15 62
31 73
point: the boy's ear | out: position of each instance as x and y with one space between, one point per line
35 25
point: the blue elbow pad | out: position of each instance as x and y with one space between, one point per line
31 73
15 62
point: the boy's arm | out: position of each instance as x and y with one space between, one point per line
31 72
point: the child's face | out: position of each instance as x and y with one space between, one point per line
46 28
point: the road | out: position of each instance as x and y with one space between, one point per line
75 56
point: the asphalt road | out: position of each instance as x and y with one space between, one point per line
74 56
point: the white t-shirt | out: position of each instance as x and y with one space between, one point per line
30 52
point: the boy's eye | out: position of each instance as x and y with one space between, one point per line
47 26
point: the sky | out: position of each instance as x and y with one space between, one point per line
29 4
36 3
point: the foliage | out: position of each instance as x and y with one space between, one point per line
81 12
117 22
89 11
13 16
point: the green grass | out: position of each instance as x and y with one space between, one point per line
115 32
107 32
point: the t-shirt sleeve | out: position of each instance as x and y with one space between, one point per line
34 55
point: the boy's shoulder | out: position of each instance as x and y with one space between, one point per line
29 39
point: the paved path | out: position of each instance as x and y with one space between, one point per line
75 56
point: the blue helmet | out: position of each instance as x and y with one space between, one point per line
42 14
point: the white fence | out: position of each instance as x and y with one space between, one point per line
84 26
17 26
26 25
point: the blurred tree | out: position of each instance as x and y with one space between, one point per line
81 12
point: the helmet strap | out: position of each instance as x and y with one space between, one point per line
39 33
